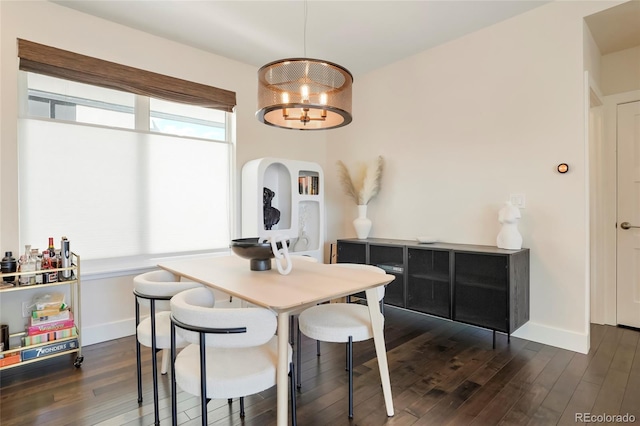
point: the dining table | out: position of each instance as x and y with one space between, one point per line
306 285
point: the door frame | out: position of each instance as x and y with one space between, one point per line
595 134
603 294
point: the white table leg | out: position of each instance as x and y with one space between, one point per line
381 351
282 384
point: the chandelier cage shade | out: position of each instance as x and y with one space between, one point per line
304 94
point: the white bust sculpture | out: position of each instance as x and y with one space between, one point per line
509 237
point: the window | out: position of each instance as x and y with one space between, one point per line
59 99
120 174
186 120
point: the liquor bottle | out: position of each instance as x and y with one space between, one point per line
51 248
9 265
65 259
21 261
52 277
27 265
46 264
37 259
53 262
31 260
49 277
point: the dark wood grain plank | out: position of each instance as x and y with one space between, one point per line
581 401
542 371
603 356
554 399
613 387
631 400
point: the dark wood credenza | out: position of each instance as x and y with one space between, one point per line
483 286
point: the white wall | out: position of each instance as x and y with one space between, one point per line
621 71
592 57
464 125
47 23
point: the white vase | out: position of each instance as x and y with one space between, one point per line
362 223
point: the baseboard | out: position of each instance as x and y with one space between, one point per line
565 339
109 331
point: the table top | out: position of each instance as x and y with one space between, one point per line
308 283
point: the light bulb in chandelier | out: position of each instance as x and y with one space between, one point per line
304 92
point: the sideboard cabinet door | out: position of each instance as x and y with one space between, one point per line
428 282
352 252
391 259
481 290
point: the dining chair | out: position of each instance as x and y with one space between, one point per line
231 353
339 323
154 289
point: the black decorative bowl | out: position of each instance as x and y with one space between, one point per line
260 254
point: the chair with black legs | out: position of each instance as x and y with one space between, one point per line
232 352
339 323
154 290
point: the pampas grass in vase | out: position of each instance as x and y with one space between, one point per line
362 188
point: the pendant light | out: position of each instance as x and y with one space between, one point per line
304 93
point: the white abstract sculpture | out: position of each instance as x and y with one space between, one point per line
509 237
281 253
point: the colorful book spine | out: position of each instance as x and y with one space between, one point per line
50 336
62 315
52 326
46 312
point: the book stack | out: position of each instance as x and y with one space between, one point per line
42 331
10 358
50 320
308 185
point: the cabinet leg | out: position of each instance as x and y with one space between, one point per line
494 339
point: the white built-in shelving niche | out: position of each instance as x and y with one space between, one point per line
299 196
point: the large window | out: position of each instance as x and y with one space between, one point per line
121 174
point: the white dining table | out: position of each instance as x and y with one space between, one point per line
306 285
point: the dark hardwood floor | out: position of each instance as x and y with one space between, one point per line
441 373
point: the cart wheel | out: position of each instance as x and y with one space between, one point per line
78 362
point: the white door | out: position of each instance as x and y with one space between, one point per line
628 231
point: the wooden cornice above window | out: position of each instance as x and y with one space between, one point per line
60 63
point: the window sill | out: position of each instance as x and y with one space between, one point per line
98 269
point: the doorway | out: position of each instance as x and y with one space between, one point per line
628 215
612 56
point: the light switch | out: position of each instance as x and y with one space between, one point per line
518 200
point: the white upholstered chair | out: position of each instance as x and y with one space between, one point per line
232 352
154 290
339 323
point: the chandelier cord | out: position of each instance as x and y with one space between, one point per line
305 29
